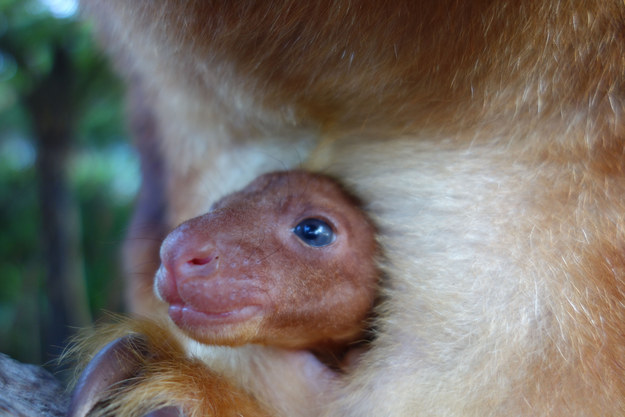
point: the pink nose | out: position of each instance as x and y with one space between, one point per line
186 256
189 250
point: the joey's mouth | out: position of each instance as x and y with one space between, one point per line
188 318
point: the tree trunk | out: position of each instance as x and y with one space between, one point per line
29 391
52 109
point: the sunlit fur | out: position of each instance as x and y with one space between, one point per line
487 139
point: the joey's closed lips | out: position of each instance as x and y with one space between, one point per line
188 317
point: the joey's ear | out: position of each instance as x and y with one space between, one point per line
116 362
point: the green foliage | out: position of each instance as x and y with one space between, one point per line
103 169
20 260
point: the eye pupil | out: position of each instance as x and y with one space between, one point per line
314 232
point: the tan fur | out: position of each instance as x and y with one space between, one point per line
487 139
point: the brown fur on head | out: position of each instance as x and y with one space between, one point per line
288 261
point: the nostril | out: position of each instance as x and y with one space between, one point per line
202 261
201 265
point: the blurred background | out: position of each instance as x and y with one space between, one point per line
68 177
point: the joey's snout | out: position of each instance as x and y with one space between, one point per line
207 287
187 257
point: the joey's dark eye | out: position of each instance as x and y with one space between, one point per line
314 232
